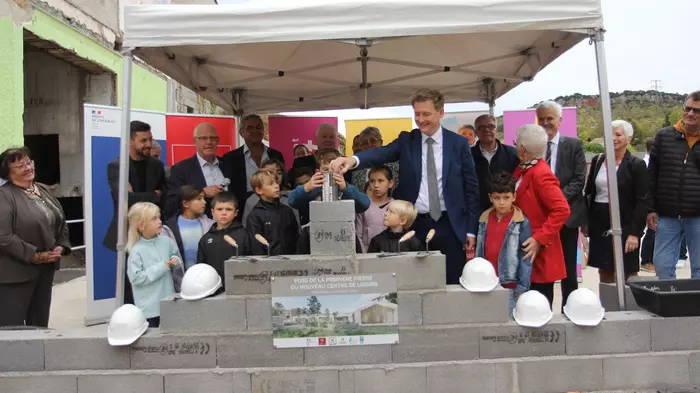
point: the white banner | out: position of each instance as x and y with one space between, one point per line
102 126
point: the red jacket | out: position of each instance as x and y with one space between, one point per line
543 203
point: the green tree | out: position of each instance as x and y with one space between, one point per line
314 305
392 298
278 309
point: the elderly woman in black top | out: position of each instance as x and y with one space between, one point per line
33 237
633 191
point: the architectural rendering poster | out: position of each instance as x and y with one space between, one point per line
328 311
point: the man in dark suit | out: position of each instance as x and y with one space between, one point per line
244 161
428 157
568 162
146 183
203 170
490 156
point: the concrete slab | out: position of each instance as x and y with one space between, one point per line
456 305
619 332
667 370
220 313
428 344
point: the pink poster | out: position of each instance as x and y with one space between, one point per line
512 120
287 131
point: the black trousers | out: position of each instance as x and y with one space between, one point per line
569 245
27 303
546 289
153 322
444 240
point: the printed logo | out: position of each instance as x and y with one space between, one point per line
333 341
210 241
321 341
362 340
343 341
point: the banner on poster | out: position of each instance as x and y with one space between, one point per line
453 121
102 133
512 120
180 136
390 129
327 311
285 132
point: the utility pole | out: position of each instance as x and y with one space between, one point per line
655 86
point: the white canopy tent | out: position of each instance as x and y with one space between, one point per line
280 55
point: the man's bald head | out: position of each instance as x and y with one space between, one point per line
326 136
206 140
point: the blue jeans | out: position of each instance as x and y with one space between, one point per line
667 246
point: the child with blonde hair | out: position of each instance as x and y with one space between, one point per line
151 259
398 219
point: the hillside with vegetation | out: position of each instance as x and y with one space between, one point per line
647 111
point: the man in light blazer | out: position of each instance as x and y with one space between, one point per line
568 162
428 157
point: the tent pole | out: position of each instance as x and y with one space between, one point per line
598 38
123 205
489 94
238 114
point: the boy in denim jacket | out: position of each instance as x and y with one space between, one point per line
502 231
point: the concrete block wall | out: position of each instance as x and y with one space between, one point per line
332 229
676 371
412 272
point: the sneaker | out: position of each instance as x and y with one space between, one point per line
680 264
648 267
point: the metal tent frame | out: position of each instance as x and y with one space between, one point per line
191 59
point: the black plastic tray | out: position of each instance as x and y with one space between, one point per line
668 298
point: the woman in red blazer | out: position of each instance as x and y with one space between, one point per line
541 199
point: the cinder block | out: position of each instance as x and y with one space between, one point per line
242 382
332 211
506 377
410 308
120 383
366 354
89 352
411 272
157 351
295 381
346 381
259 312
462 378
619 332
675 334
27 352
513 341
220 313
39 384
217 381
333 238
457 305
434 344
397 380
694 365
646 371
560 374
608 298
255 350
248 278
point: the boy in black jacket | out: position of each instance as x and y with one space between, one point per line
273 220
213 249
398 219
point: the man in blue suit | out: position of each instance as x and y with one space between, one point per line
428 157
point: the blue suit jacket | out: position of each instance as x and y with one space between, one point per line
461 195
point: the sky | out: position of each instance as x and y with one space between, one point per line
645 40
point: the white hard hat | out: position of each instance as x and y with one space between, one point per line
532 310
126 325
478 275
200 281
583 308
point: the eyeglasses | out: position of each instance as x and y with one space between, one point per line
208 138
26 165
693 109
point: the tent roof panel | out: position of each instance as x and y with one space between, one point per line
271 56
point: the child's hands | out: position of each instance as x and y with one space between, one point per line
340 181
172 262
315 182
